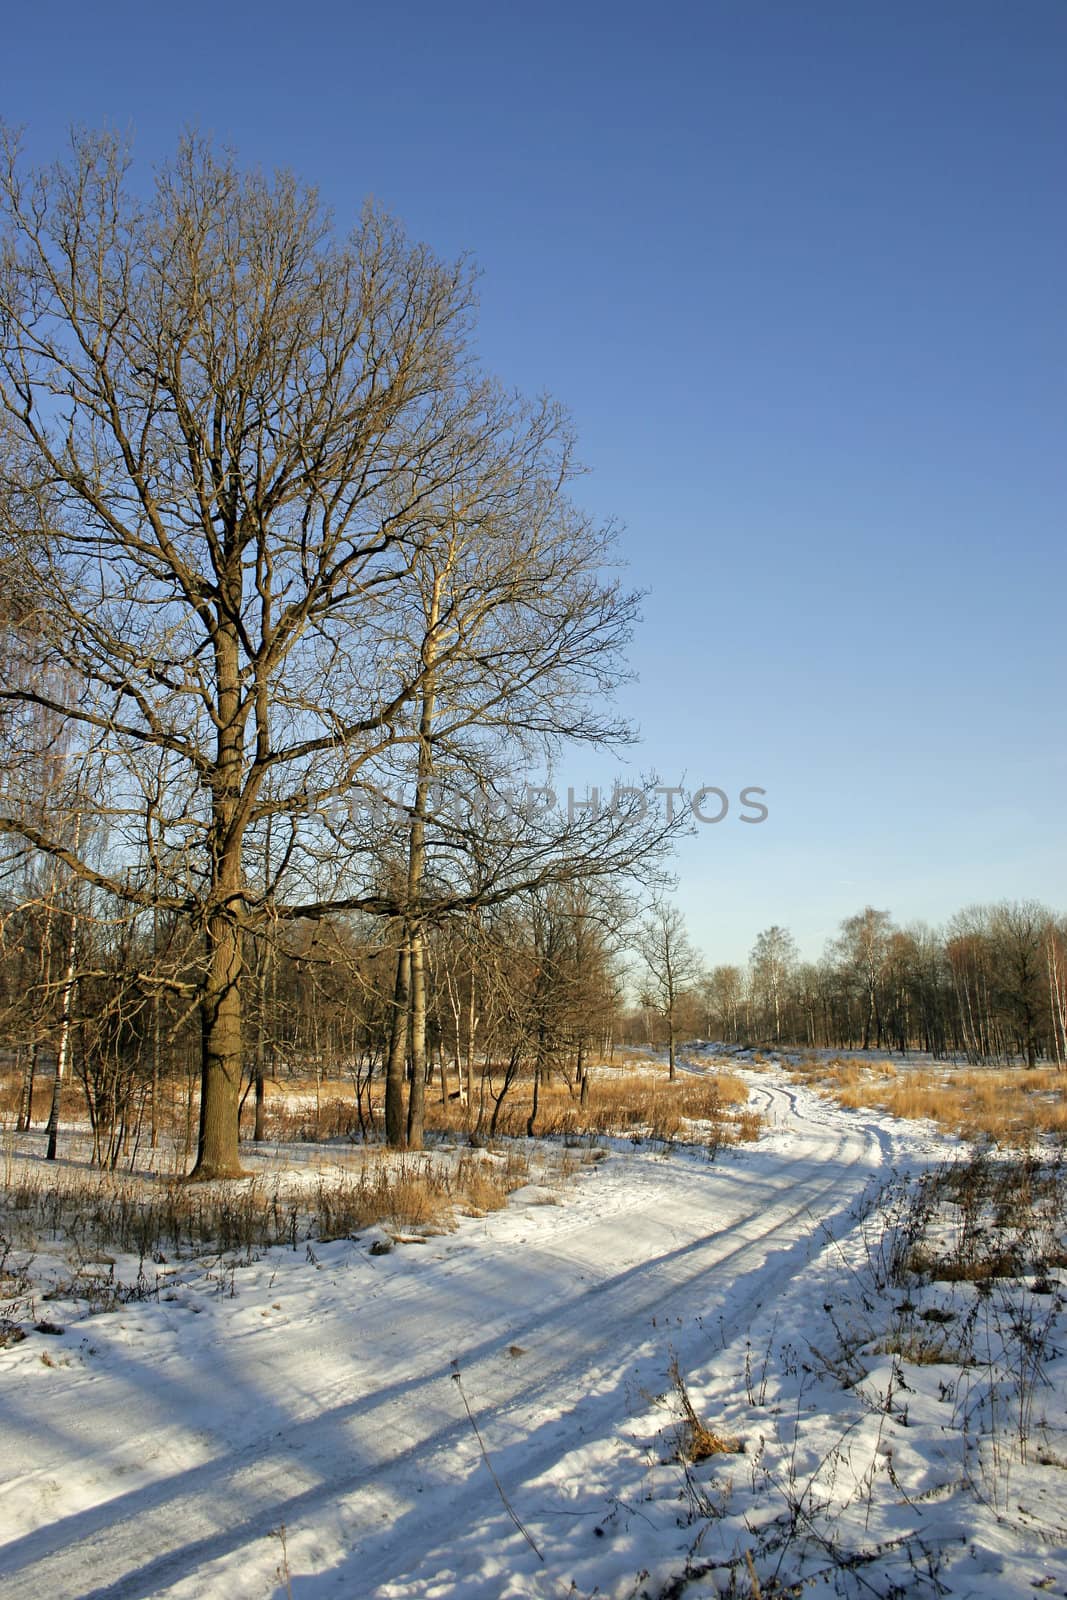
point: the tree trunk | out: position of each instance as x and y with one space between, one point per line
583 1075
63 1053
398 1048
156 1039
1057 998
156 1044
416 872
531 1120
221 1010
453 1001
260 1131
25 1116
217 1154
472 1023
417 1092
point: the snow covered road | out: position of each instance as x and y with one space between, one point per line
169 1442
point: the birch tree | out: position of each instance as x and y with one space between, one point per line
773 960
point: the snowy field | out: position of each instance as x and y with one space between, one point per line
501 1410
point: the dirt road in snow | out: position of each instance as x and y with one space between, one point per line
160 1458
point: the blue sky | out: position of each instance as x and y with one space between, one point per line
798 271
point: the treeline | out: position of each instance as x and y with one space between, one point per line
990 987
539 986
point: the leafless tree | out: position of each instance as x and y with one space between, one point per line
773 960
233 448
863 947
672 966
1056 968
1020 928
723 996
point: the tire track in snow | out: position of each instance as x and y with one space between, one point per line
343 1457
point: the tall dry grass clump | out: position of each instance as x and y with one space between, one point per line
1009 1106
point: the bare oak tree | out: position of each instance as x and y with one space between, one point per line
237 455
224 429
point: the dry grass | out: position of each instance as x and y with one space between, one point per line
293 1120
621 1103
624 1104
148 1216
841 1071
923 1349
696 1442
709 1109
11 1097
1009 1106
155 1214
177 1113
995 1214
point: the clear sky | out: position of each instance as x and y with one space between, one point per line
798 269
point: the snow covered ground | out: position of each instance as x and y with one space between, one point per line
490 1413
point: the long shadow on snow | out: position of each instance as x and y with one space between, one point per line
320 1441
